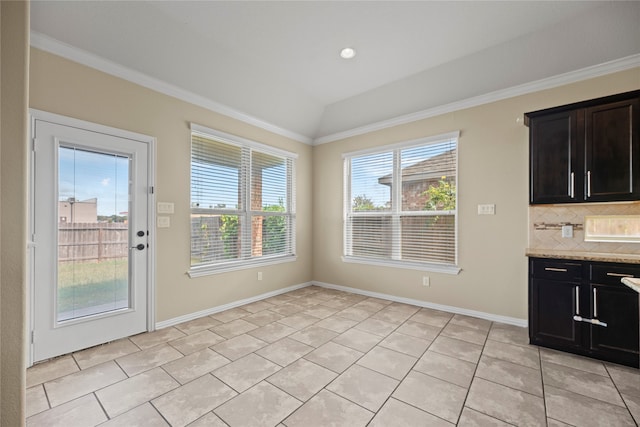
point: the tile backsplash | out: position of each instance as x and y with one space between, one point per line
546 221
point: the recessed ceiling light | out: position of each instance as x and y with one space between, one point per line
347 53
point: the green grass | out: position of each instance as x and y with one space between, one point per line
90 283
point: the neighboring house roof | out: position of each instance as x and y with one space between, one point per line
432 168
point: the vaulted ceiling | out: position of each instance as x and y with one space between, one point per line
277 62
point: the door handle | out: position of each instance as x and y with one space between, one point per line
139 246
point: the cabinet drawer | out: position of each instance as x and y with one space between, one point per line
610 274
556 269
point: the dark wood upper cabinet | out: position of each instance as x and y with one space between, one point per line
612 151
586 152
553 157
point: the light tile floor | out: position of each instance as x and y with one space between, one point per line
321 357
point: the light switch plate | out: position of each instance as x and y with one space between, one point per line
165 207
567 231
487 209
163 221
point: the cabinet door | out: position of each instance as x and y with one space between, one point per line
553 305
553 158
611 137
617 306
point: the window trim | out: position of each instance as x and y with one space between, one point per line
240 142
250 262
413 265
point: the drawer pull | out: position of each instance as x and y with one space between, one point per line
561 270
619 275
592 321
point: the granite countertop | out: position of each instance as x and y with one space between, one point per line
584 256
632 282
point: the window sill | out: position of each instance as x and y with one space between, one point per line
207 270
424 266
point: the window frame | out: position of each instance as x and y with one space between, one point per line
396 212
246 260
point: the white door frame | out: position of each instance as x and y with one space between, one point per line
151 169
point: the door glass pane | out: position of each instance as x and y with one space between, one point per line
93 233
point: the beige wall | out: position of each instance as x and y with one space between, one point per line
64 87
493 168
14 60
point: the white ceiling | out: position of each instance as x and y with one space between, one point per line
278 62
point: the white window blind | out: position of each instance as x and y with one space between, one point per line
242 203
401 204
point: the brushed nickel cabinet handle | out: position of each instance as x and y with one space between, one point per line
595 302
592 321
588 183
572 183
578 300
619 275
562 270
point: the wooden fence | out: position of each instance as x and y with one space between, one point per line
92 241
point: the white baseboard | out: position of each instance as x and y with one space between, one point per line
192 316
448 308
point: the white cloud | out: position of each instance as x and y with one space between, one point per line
105 182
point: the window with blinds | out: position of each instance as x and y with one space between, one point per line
401 204
242 203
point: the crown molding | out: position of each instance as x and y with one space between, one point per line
536 86
48 44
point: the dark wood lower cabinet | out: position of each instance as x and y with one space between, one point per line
555 299
618 308
581 307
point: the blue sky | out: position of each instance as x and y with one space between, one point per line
365 172
85 175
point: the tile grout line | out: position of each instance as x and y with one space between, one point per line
338 374
46 395
473 377
409 371
95 396
158 411
620 394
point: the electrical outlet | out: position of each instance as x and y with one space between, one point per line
425 281
163 222
567 231
259 275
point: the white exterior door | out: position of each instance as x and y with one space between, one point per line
90 237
